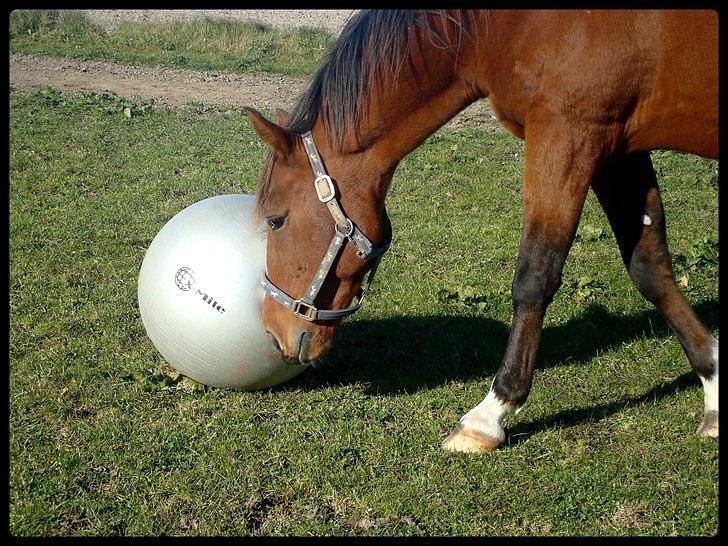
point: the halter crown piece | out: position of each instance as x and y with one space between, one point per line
344 230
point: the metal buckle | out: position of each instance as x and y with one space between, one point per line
309 312
324 198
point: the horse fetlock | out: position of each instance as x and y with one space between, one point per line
710 380
480 430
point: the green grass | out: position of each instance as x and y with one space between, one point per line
236 46
100 445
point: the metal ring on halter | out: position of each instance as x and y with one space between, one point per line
349 230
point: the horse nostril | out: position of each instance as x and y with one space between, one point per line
274 341
291 360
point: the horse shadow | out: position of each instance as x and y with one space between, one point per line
573 417
405 354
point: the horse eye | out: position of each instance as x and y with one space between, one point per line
275 222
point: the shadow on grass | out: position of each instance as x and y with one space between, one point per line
570 418
407 354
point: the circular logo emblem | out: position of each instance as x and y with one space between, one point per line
184 278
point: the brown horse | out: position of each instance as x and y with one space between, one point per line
590 92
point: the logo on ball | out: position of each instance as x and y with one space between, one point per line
185 281
184 278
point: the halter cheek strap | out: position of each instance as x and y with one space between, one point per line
327 194
344 230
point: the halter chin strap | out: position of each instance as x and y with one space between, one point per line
344 230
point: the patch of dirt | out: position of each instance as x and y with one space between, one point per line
176 87
630 515
164 85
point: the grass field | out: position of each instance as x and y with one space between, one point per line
101 442
202 45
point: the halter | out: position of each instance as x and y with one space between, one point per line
344 230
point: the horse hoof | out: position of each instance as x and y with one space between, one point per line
709 426
468 440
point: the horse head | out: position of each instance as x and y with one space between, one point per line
327 229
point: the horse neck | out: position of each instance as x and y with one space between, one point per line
400 134
400 116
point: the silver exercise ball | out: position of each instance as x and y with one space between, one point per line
200 296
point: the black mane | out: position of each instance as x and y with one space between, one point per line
371 50
373 44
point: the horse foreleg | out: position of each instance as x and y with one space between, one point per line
628 192
559 167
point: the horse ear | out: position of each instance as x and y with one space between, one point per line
282 117
274 136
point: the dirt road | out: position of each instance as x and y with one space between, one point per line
164 85
176 87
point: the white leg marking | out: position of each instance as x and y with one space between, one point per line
646 220
710 386
487 417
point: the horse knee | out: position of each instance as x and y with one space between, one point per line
534 285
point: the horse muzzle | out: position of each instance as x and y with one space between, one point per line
304 346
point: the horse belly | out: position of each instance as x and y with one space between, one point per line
694 134
679 110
